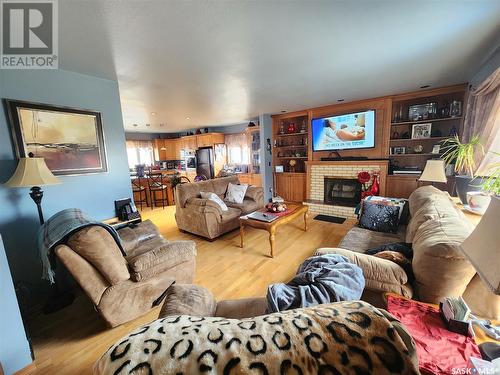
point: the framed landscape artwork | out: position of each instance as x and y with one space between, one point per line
70 140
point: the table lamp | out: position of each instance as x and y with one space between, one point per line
35 173
433 171
482 247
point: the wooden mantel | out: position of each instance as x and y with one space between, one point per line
383 164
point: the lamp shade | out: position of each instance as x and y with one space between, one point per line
433 171
32 172
482 247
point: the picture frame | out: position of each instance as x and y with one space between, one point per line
71 140
399 150
279 169
420 131
436 149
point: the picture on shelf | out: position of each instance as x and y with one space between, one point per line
399 150
279 169
419 131
436 149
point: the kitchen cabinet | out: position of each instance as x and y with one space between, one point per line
209 139
188 142
172 146
291 186
159 149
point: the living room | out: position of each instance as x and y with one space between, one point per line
206 169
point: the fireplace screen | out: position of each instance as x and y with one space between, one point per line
342 191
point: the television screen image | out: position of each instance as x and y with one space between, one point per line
344 132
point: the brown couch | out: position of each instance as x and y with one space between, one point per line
204 217
125 287
436 229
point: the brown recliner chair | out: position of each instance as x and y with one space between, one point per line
124 287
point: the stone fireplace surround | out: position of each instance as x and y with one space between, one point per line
318 170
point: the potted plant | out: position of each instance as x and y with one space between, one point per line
492 182
462 155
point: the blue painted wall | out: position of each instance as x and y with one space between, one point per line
94 194
14 348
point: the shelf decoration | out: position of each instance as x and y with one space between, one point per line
369 183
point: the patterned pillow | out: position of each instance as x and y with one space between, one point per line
236 193
214 198
379 217
404 211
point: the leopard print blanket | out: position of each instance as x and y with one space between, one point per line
339 338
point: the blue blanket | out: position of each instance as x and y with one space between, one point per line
320 279
55 231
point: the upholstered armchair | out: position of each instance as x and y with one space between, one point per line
123 287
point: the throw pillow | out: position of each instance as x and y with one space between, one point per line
188 299
404 211
214 198
379 217
236 193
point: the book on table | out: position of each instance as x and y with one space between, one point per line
262 216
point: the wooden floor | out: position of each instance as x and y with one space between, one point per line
71 340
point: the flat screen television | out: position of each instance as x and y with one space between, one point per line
344 132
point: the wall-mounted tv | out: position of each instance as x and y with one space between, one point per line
344 132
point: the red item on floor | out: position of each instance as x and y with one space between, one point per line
439 351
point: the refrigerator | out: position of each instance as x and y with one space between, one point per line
205 162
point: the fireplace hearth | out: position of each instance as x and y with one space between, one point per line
342 191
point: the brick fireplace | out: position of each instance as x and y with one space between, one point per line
332 186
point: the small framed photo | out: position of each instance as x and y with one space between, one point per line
419 131
436 149
279 169
399 150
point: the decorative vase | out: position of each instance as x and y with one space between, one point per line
291 127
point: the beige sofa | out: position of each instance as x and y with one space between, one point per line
125 287
204 217
436 229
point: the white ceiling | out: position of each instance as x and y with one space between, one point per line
222 62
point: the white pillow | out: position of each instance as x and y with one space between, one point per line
214 198
236 193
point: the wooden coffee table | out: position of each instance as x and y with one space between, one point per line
297 210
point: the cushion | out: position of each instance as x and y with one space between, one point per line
188 299
361 239
168 255
231 214
98 247
214 198
404 211
236 193
440 268
380 275
248 205
339 338
379 217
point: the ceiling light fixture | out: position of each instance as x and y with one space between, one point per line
153 113
161 124
425 86
283 111
135 125
148 124
340 100
188 118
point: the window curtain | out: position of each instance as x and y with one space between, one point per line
237 148
139 144
482 118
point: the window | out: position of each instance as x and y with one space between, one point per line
139 152
237 149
